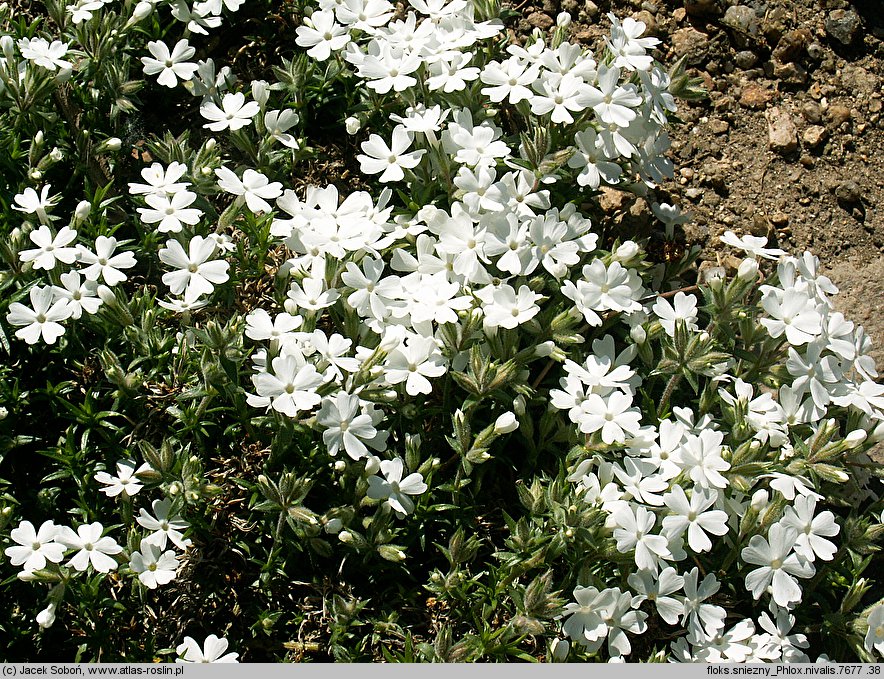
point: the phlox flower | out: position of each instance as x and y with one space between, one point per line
779 565
164 524
812 530
393 489
126 481
620 618
322 34
311 294
791 312
389 70
684 309
604 288
81 295
751 245
153 566
195 272
778 642
694 516
345 426
701 458
198 20
510 80
160 182
103 263
363 15
875 636
51 248
277 124
452 72
628 46
260 326
35 547
290 388
45 54
215 6
233 114
814 373
584 622
657 588
30 202
43 319
434 298
82 9
211 652
171 211
414 362
592 161
392 160
701 619
614 416
504 307
254 188
633 533
612 103
371 294
93 548
560 98
171 66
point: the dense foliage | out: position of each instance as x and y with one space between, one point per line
317 346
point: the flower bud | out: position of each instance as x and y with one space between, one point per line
748 270
56 154
38 138
560 649
563 19
760 500
352 125
261 92
372 465
877 434
519 405
206 171
84 207
854 438
112 144
345 536
333 526
3 413
7 46
340 466
142 10
36 175
506 423
626 251
638 334
290 306
106 294
210 145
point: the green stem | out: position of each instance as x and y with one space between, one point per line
667 393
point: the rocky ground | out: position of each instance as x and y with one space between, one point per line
789 143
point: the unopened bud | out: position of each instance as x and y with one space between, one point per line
36 175
760 500
352 125
340 466
260 92
38 138
560 649
748 270
142 10
333 526
506 423
111 144
206 171
345 536
519 405
563 19
3 413
372 465
638 334
84 207
854 438
56 154
626 251
7 45
210 145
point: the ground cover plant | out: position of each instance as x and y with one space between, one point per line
316 347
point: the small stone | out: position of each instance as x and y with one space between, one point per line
694 193
704 9
806 160
614 200
790 73
843 25
812 112
687 173
791 46
745 59
761 226
742 19
719 126
689 41
779 219
781 131
590 8
814 136
540 20
679 15
816 51
755 96
838 115
848 192
874 105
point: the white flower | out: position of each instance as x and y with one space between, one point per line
45 54
345 425
685 310
322 34
171 66
254 187
29 202
792 312
164 526
632 532
611 102
414 362
160 182
211 652
812 530
505 308
291 387
752 245
43 319
657 588
195 273
104 263
875 635
126 480
277 124
393 489
153 566
389 160
692 515
92 547
51 249
585 624
779 565
701 458
233 114
35 547
171 211
80 295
